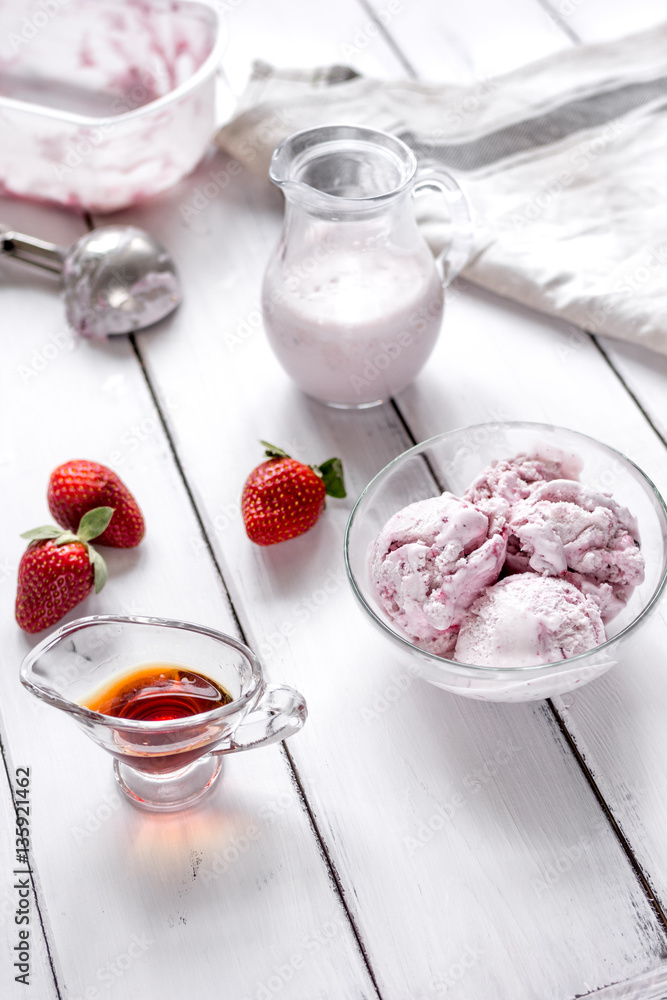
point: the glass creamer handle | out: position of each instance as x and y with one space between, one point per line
455 255
279 713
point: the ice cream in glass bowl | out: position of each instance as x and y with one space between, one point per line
508 561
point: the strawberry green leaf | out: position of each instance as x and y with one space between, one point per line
94 522
331 472
46 531
65 537
99 568
273 452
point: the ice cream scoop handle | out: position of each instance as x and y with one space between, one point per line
37 252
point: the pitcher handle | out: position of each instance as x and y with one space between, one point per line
453 258
280 712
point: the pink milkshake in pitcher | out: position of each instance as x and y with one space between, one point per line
353 297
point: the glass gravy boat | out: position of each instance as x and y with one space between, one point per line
170 764
353 298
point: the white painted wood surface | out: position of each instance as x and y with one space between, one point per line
473 41
267 600
471 852
304 35
368 769
619 725
599 21
136 905
12 883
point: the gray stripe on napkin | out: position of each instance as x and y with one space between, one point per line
543 130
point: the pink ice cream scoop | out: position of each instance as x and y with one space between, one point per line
528 619
515 478
431 561
567 529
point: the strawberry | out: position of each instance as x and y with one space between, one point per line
79 486
58 570
283 498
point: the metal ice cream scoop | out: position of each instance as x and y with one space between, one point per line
116 279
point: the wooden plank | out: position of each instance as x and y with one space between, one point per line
19 908
643 371
220 902
617 725
463 833
616 722
438 45
599 21
342 33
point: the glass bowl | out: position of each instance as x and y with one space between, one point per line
451 461
104 103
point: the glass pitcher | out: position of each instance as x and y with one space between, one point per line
352 298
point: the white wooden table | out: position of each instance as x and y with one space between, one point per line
409 850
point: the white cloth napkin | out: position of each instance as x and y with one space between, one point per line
564 163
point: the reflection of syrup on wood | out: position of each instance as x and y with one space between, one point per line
158 692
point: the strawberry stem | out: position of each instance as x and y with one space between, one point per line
99 568
46 531
91 525
331 472
94 522
271 451
65 537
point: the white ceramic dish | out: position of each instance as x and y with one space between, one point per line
104 103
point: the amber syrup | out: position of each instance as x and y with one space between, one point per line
158 692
